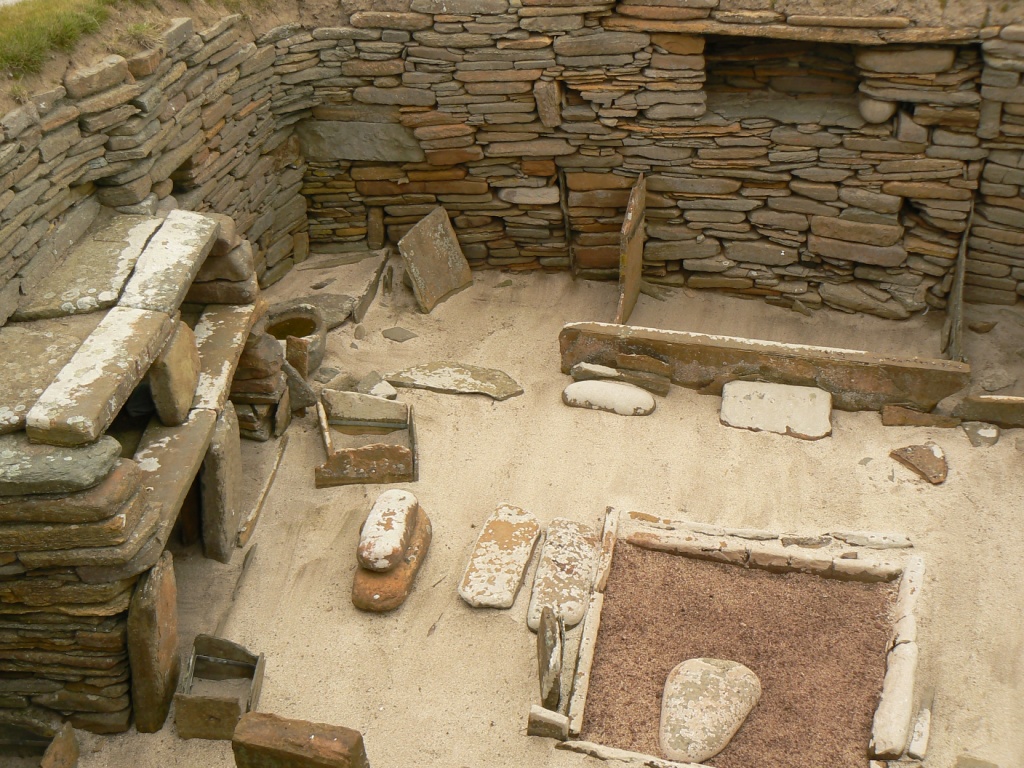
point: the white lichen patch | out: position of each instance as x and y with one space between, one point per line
387 530
500 557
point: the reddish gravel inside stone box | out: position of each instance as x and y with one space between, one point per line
818 646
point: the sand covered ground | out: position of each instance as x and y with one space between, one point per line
437 684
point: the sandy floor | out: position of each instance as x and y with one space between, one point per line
439 684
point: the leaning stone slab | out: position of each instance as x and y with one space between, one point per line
857 380
89 391
220 337
96 503
804 412
63 751
565 573
705 702
166 268
928 461
544 722
612 396
173 376
30 360
93 274
153 645
27 468
387 531
221 485
381 592
458 378
355 409
500 558
263 740
434 260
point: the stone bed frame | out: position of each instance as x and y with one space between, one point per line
856 556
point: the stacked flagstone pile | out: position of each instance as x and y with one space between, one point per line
80 522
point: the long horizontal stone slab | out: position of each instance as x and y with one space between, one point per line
858 380
166 268
1002 410
220 336
30 359
89 391
97 503
27 467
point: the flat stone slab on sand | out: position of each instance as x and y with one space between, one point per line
434 260
458 379
500 557
705 702
27 468
565 573
30 360
611 396
93 274
804 412
928 461
264 740
91 388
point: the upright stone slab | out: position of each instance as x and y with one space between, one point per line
631 251
153 645
500 558
93 274
550 650
704 703
30 360
221 334
173 376
263 740
89 391
565 573
804 412
166 268
222 487
434 260
30 468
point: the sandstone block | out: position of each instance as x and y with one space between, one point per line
263 740
550 648
500 557
105 74
173 376
30 468
153 645
381 592
612 396
222 487
881 256
30 360
837 228
544 722
387 531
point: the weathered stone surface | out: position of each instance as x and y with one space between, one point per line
356 409
905 60
335 307
222 487
881 256
398 334
325 141
93 274
30 360
550 649
220 334
760 252
263 740
500 557
565 573
606 44
387 530
705 702
928 461
659 385
382 592
612 396
544 722
89 391
548 96
108 532
433 260
301 326
375 463
170 261
153 645
855 231
980 434
457 378
63 750
236 264
898 416
1004 411
850 296
29 468
804 412
173 376
96 503
890 729
375 384
857 380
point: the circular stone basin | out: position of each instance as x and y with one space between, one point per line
292 326
304 331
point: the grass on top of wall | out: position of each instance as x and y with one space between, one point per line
31 30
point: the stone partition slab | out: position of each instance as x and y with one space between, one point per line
857 380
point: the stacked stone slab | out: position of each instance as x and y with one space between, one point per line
79 524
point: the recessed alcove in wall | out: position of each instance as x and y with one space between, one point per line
738 64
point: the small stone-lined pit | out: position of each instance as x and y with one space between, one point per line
818 646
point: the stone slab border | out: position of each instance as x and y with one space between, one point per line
849 555
858 380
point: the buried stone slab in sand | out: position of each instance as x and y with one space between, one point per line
704 703
928 461
565 573
457 379
804 412
381 592
500 557
612 396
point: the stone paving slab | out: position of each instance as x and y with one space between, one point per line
30 360
434 260
167 266
804 412
500 557
457 378
27 467
89 391
220 336
565 572
93 274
